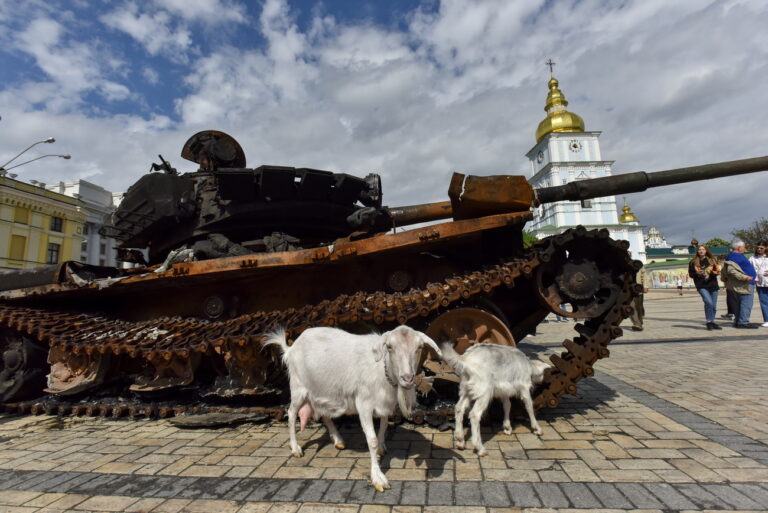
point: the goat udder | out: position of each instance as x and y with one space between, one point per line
305 412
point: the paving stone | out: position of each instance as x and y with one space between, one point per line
731 496
100 485
362 492
414 493
314 490
391 496
580 496
338 491
669 496
754 492
264 489
700 496
639 496
468 494
551 495
439 494
494 494
609 495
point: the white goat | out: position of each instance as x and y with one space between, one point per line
488 371
333 373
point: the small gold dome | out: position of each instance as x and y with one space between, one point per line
627 216
558 119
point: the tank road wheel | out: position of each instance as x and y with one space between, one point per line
22 366
464 327
585 270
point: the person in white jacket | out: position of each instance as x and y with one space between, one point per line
760 262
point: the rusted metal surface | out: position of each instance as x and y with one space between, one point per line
477 196
170 347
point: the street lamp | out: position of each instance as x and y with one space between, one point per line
67 157
49 141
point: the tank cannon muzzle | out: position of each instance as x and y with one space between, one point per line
640 180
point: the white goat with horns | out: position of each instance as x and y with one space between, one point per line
334 373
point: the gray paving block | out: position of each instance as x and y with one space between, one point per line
9 478
639 496
391 496
609 495
314 490
754 492
32 480
264 490
669 496
551 496
468 493
699 495
66 486
217 488
414 493
494 494
580 496
135 485
731 496
160 485
101 485
362 492
440 493
242 489
289 490
523 495
338 491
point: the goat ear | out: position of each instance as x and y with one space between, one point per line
431 343
380 348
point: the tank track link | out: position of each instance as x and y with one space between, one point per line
165 338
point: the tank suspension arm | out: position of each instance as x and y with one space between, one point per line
640 181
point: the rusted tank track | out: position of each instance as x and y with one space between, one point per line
166 339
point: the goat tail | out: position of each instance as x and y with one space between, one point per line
453 358
277 338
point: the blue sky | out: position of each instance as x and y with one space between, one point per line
412 90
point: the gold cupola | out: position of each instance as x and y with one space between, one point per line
627 216
558 119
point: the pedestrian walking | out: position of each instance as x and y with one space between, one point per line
680 286
760 262
638 310
703 269
741 279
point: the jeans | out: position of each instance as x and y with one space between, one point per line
710 303
762 297
745 306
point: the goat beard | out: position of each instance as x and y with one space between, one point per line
406 400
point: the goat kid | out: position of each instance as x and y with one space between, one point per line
334 373
488 371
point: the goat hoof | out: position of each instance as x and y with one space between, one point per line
481 452
378 487
380 452
460 445
297 454
340 446
507 430
537 431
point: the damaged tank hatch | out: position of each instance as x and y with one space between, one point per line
235 253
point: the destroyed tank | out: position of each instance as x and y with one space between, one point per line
234 253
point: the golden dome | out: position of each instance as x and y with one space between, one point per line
627 216
558 119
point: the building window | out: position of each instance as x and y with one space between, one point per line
57 224
53 253
21 215
18 245
102 249
86 229
586 203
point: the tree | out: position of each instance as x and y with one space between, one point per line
529 239
755 233
717 241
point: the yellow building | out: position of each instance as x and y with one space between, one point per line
37 227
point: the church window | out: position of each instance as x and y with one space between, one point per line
57 224
52 256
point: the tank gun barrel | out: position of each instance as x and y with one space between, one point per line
640 180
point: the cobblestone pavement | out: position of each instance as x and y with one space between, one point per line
674 420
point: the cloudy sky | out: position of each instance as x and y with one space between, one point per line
411 90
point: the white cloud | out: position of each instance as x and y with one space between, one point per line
669 84
157 32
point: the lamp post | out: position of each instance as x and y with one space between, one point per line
50 140
67 157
